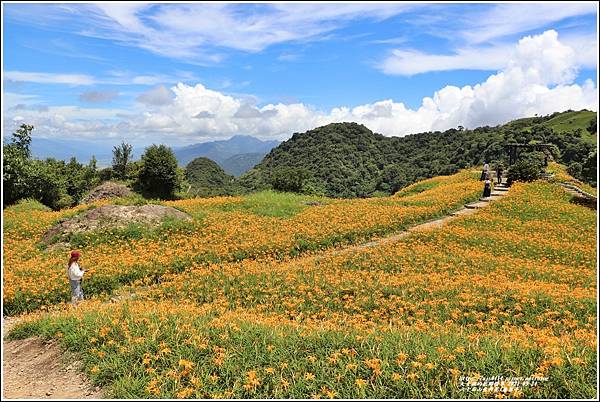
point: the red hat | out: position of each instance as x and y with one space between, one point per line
75 254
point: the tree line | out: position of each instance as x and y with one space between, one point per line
337 160
59 184
349 160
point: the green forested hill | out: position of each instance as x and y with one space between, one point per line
348 160
207 178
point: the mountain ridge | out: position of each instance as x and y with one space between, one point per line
349 160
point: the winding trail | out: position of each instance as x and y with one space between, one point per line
36 369
499 191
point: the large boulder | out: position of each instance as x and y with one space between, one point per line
106 190
110 216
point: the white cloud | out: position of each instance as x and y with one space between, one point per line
111 78
98 96
49 78
482 39
158 96
586 46
411 62
12 99
197 33
537 78
510 19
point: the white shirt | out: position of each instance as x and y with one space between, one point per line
74 272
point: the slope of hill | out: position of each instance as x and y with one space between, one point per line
348 160
239 164
565 122
569 121
212 309
207 178
219 151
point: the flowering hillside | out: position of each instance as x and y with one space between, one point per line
508 291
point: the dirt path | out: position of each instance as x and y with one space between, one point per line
499 191
34 369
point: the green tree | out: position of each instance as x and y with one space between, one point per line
93 165
592 128
589 169
22 139
48 184
121 158
17 167
207 178
289 179
158 175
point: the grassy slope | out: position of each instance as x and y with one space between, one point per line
508 291
223 229
571 121
564 122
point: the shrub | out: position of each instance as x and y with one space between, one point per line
574 169
106 174
158 175
589 169
47 185
526 169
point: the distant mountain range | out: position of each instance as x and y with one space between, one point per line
235 155
83 150
239 164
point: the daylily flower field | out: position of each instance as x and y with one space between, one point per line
242 303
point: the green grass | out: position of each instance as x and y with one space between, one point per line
291 354
418 188
272 203
563 123
28 205
567 122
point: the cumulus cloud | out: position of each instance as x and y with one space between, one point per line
158 96
537 77
98 96
410 62
247 111
204 115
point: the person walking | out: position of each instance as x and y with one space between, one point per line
487 189
499 172
485 171
75 274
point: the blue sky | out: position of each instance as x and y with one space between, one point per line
109 71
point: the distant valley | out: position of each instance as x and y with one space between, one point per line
236 155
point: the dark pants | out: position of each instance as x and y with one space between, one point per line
487 190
